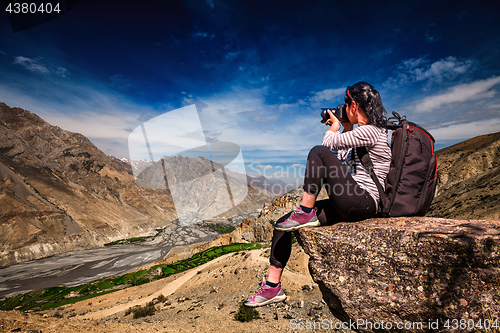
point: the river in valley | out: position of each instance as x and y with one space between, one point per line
75 268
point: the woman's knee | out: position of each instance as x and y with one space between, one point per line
322 155
318 150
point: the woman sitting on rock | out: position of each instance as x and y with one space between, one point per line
353 196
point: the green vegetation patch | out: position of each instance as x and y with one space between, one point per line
54 297
221 228
141 311
204 257
141 273
106 284
121 280
147 310
139 281
246 314
168 270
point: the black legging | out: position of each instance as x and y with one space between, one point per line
347 201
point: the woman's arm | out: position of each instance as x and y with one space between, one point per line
362 136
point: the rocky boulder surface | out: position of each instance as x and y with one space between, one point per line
407 270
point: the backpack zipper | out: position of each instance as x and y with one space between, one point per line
432 147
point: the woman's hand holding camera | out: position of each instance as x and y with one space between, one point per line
334 123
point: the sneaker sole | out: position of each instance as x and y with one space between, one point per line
308 224
275 299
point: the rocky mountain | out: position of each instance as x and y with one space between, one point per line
202 189
58 192
123 161
275 186
469 180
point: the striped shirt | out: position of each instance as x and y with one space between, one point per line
376 143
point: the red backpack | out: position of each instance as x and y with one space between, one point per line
412 177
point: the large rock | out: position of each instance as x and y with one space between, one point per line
407 270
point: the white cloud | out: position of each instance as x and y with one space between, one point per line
466 131
199 35
315 99
35 66
265 134
31 65
264 166
448 68
187 100
61 71
420 69
263 131
459 94
297 165
285 106
326 95
84 107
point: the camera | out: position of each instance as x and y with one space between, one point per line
338 112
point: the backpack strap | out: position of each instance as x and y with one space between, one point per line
396 116
395 121
368 164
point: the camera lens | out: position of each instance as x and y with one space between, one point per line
324 115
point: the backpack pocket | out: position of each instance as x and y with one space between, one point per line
429 188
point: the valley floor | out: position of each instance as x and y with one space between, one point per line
203 299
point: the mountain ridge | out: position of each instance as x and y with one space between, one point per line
275 186
469 180
59 192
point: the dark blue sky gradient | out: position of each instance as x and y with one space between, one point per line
274 57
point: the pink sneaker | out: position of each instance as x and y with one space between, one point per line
298 219
266 295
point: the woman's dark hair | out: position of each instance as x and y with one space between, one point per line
369 100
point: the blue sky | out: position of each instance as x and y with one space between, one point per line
258 71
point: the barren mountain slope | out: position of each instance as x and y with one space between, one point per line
469 180
59 193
